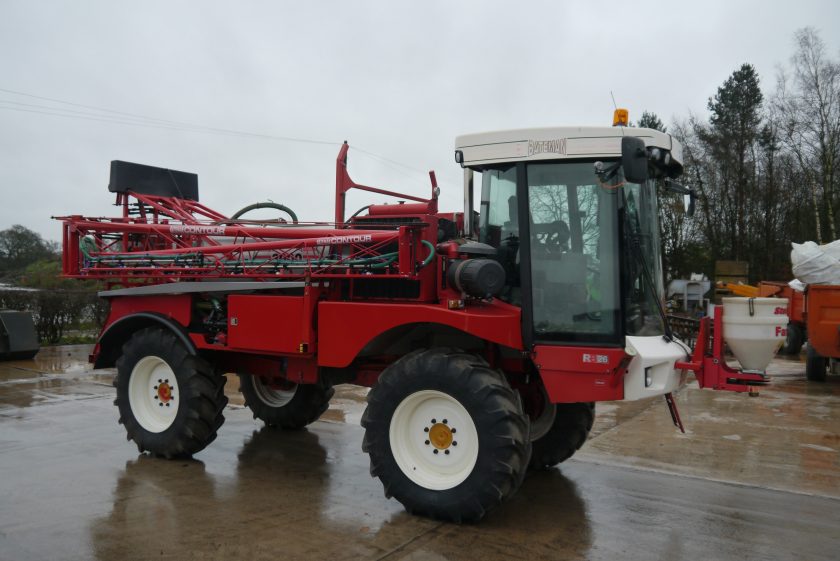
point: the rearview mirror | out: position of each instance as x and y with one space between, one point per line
634 159
688 204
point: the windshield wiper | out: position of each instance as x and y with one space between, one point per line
635 245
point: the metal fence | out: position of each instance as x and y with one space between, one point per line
687 329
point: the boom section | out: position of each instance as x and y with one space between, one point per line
164 239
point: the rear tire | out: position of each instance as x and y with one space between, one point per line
794 340
292 407
170 401
446 435
815 366
569 430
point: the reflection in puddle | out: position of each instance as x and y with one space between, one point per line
57 359
53 375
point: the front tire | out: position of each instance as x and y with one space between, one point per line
292 406
170 401
815 366
567 433
446 435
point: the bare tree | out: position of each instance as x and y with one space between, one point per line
808 102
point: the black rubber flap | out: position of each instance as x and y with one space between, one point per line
18 337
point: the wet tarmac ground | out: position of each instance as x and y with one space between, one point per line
753 478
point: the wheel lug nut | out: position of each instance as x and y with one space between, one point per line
434 421
156 397
454 443
167 405
156 387
453 431
161 404
445 422
446 452
426 429
427 443
160 381
436 450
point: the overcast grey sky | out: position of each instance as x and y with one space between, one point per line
399 79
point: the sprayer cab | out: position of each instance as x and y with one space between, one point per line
572 213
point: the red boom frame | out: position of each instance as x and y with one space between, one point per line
164 239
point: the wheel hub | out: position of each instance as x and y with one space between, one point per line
440 435
433 439
153 394
164 392
274 394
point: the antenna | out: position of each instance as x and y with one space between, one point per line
615 115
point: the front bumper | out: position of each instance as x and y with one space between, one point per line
651 371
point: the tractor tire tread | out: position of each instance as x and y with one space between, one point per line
568 433
308 404
815 366
202 390
496 410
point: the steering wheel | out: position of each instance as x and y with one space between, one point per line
553 236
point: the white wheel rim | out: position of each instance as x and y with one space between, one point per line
542 424
426 413
153 394
271 396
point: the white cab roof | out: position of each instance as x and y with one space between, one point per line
555 143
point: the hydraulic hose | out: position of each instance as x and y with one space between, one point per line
357 213
431 256
87 245
269 204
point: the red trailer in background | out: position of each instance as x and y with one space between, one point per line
814 317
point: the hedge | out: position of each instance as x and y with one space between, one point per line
57 311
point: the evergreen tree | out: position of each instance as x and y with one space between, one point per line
730 139
649 120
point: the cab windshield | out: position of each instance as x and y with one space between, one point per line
574 250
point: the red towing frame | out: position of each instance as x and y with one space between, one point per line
710 367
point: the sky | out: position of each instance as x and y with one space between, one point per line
398 80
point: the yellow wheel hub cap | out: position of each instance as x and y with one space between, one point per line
164 392
440 436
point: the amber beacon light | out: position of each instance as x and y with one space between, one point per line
621 118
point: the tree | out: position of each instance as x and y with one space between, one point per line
682 252
808 104
729 140
671 215
46 274
766 173
20 246
649 120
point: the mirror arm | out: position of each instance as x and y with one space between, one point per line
678 188
605 173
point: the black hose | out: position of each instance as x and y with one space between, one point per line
357 213
276 206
